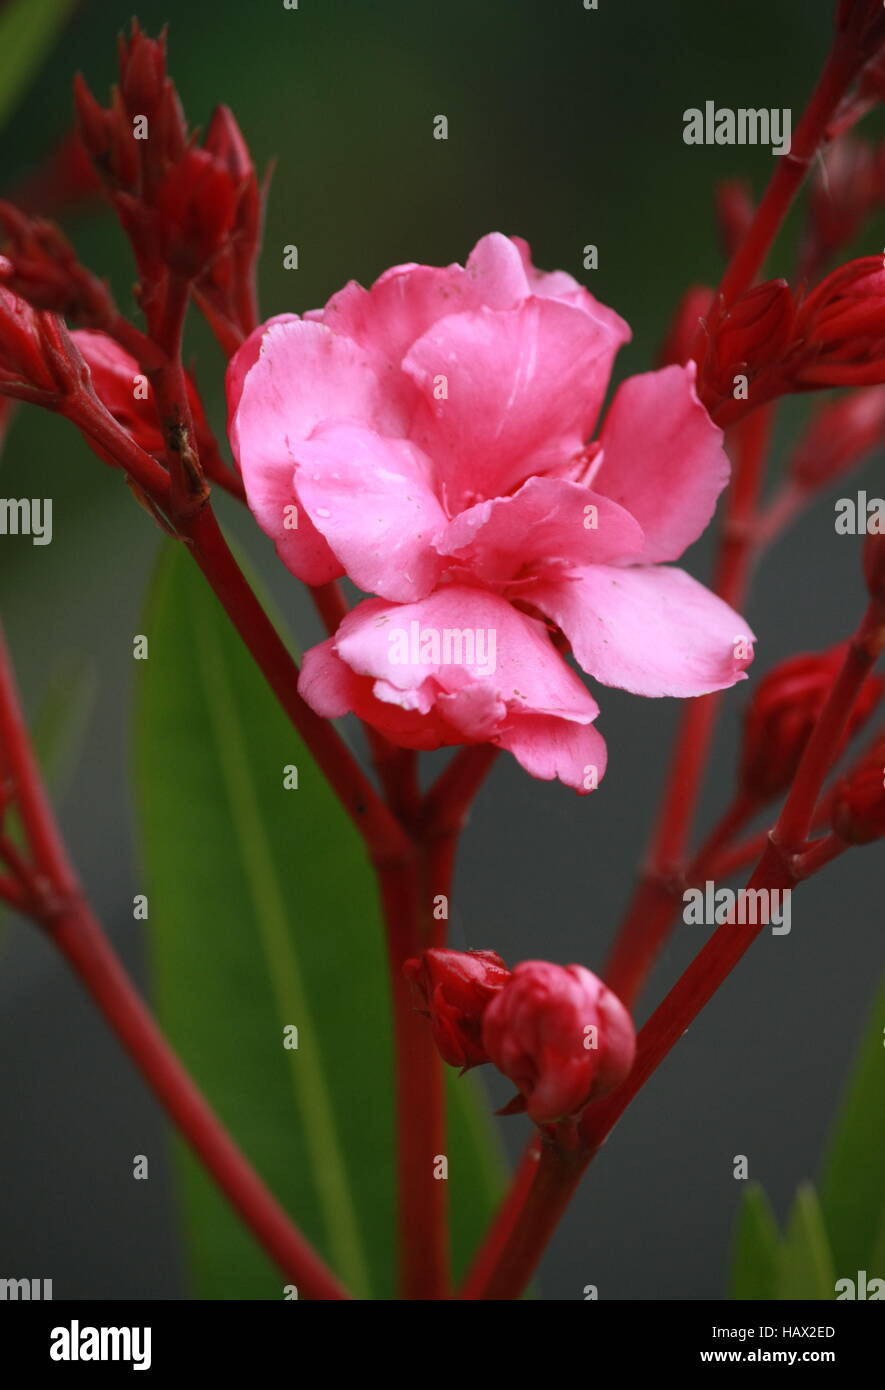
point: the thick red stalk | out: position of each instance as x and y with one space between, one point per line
488 1257
749 258
420 1101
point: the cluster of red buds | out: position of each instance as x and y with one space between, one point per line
772 341
840 329
782 714
192 213
555 1031
193 210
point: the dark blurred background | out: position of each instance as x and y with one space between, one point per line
565 126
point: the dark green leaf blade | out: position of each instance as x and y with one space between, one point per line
263 913
756 1252
853 1184
806 1267
28 28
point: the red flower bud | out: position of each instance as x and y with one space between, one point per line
124 391
456 987
43 268
841 329
858 807
196 204
561 1036
25 364
839 436
224 140
146 90
142 63
679 344
782 714
749 337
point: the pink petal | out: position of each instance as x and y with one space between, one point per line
401 305
496 270
551 748
408 299
526 699
557 284
662 459
384 640
332 689
304 374
520 391
240 364
651 630
547 520
372 500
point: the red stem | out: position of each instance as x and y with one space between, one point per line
488 1257
780 867
420 1101
55 899
749 258
448 802
81 941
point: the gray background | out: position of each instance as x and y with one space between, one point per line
566 128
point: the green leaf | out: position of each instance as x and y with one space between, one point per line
28 29
756 1253
853 1185
806 1266
263 913
876 1266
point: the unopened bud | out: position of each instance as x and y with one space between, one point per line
858 806
455 988
561 1036
782 714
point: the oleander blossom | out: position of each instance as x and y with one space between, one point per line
429 438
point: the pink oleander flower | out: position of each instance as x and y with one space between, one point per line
429 438
561 1036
